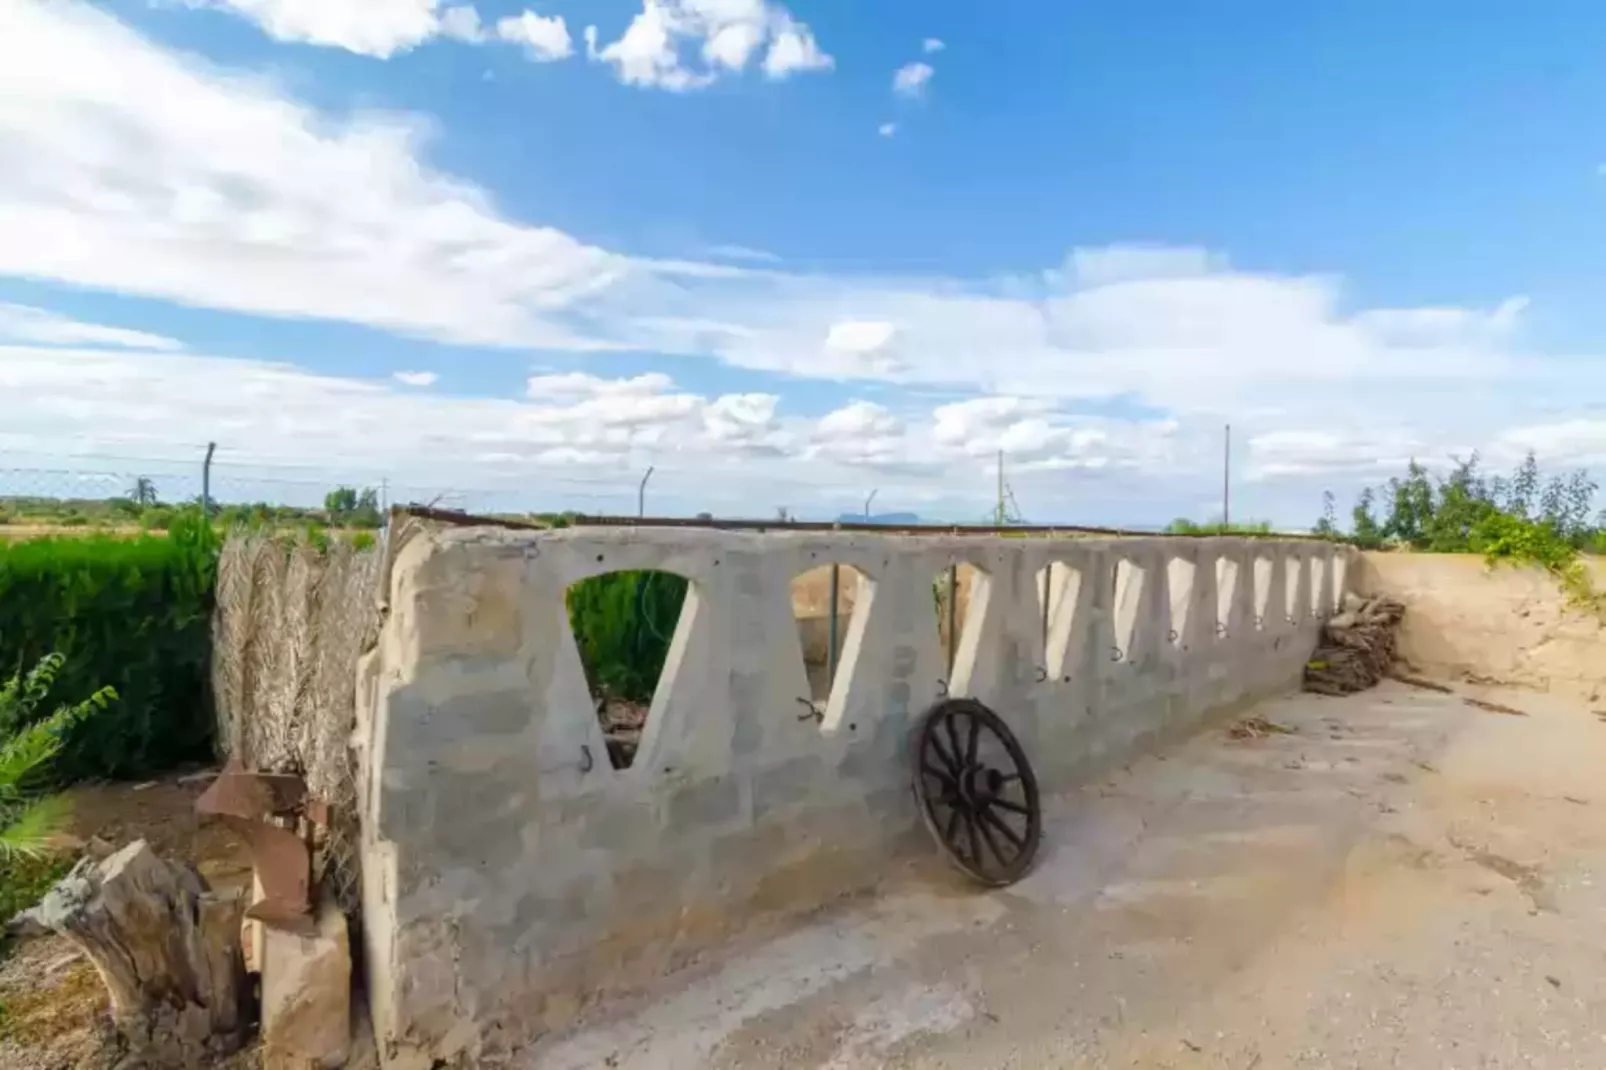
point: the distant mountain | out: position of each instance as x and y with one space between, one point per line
899 519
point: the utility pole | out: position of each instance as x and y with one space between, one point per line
998 516
641 493
1226 480
206 480
867 502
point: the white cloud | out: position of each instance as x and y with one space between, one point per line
688 44
132 169
887 129
911 79
544 39
1124 263
415 378
741 252
462 24
379 28
931 45
21 323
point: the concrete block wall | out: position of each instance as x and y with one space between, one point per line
511 874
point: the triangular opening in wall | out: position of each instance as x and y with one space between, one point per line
957 592
625 625
1318 577
1340 571
1179 578
1293 568
1059 589
1127 585
1262 578
823 635
1226 591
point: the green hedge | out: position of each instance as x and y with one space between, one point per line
623 623
131 613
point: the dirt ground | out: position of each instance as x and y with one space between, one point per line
55 1010
1397 878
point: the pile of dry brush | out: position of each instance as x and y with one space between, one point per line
1356 648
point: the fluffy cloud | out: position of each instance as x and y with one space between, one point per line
138 171
544 39
21 323
911 79
688 44
415 378
931 45
887 129
379 28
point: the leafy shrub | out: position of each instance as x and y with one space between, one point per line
623 623
30 741
29 816
134 613
1515 520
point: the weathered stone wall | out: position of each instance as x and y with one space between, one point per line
510 872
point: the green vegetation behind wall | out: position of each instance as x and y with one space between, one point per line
131 613
623 623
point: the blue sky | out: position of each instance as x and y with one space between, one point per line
790 252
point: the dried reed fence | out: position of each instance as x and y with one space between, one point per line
290 624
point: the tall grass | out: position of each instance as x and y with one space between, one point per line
130 613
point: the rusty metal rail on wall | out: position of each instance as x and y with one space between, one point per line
449 516
581 520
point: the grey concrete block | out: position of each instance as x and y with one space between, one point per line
707 803
786 785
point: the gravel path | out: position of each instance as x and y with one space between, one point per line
1404 880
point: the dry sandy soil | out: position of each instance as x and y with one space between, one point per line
1402 880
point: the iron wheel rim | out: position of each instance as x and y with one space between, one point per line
983 809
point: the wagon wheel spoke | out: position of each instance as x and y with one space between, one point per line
953 824
1002 826
970 832
953 739
971 741
1011 805
951 761
992 841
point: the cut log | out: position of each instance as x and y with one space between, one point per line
167 948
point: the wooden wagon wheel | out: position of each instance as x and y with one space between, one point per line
977 792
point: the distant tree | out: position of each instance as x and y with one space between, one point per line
1327 526
346 507
1364 528
143 491
339 504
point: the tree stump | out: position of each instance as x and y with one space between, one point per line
167 947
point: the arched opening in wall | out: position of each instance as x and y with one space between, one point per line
1179 579
1263 576
625 625
1293 569
1318 577
1127 585
1226 591
1059 589
955 595
827 599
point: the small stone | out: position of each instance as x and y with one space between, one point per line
306 995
